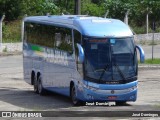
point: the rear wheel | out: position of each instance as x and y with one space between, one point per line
35 84
41 90
75 101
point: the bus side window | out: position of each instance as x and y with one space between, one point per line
49 36
77 39
39 34
63 39
28 32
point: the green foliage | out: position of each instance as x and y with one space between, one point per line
65 6
154 61
13 9
93 9
38 7
12 31
139 30
138 9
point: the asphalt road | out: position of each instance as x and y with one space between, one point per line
16 95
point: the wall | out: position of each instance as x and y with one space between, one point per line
147 37
11 47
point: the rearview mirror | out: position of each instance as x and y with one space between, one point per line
80 53
141 52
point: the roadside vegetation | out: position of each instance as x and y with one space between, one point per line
12 31
154 61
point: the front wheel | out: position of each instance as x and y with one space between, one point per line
75 101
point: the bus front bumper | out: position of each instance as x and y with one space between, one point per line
115 93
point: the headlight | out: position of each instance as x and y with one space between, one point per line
132 88
89 87
92 88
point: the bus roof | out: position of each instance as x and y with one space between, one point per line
87 25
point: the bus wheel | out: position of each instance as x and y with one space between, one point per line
73 96
41 90
35 85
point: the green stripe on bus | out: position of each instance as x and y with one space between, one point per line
36 48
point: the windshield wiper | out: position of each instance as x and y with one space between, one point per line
105 69
120 72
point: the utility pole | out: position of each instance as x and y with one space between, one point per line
1 20
147 22
77 8
154 28
149 10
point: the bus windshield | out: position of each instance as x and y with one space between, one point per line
109 60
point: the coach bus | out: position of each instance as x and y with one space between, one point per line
84 57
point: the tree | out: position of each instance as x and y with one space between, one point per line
65 6
93 9
39 7
13 9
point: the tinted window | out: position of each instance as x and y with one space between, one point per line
63 39
49 36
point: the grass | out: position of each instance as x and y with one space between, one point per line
157 105
154 61
152 43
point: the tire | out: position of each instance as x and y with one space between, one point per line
75 101
121 103
41 90
35 85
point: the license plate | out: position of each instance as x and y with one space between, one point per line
112 97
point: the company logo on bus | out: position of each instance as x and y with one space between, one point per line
112 91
